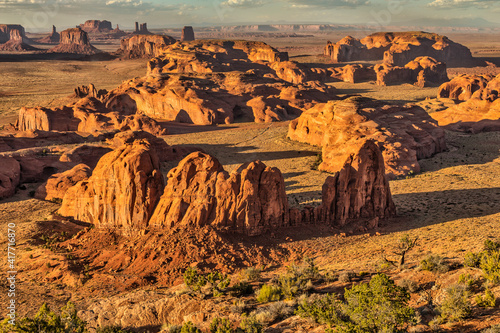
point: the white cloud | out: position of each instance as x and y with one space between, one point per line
481 4
242 3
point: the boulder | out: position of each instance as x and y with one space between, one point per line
10 175
58 184
122 192
405 134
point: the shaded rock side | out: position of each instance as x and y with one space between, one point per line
58 184
404 133
75 41
199 192
10 175
122 192
144 46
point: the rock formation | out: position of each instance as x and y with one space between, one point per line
187 34
96 26
144 46
53 38
141 29
87 115
405 134
13 39
89 91
208 82
399 48
122 192
423 72
10 175
472 116
465 87
58 184
74 41
359 190
199 192
85 154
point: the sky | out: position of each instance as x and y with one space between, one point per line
40 15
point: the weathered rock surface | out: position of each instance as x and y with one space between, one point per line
10 175
76 41
122 192
58 184
399 48
199 192
13 39
187 34
472 116
85 154
144 46
6 31
359 190
465 87
423 72
209 82
88 115
404 133
89 91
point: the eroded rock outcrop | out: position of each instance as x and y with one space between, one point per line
75 41
144 46
87 115
13 39
96 26
89 91
187 34
122 192
53 38
423 72
208 82
404 133
465 87
399 48
472 116
58 184
10 175
199 192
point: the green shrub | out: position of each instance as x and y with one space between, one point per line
252 274
409 285
250 325
48 321
472 259
490 264
268 293
241 289
434 263
219 325
456 305
364 304
189 327
216 281
488 301
468 281
491 246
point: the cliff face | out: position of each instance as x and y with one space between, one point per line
74 41
144 46
96 26
6 31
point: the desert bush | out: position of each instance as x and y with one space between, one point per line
455 306
486 301
48 321
168 328
219 325
252 274
491 246
214 282
472 259
468 281
346 277
241 289
492 329
309 270
490 265
250 325
239 306
189 327
409 285
434 263
273 312
361 311
292 285
268 293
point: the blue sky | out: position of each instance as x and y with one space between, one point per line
41 14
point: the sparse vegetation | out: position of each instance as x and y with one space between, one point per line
455 306
434 263
215 283
487 301
268 293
